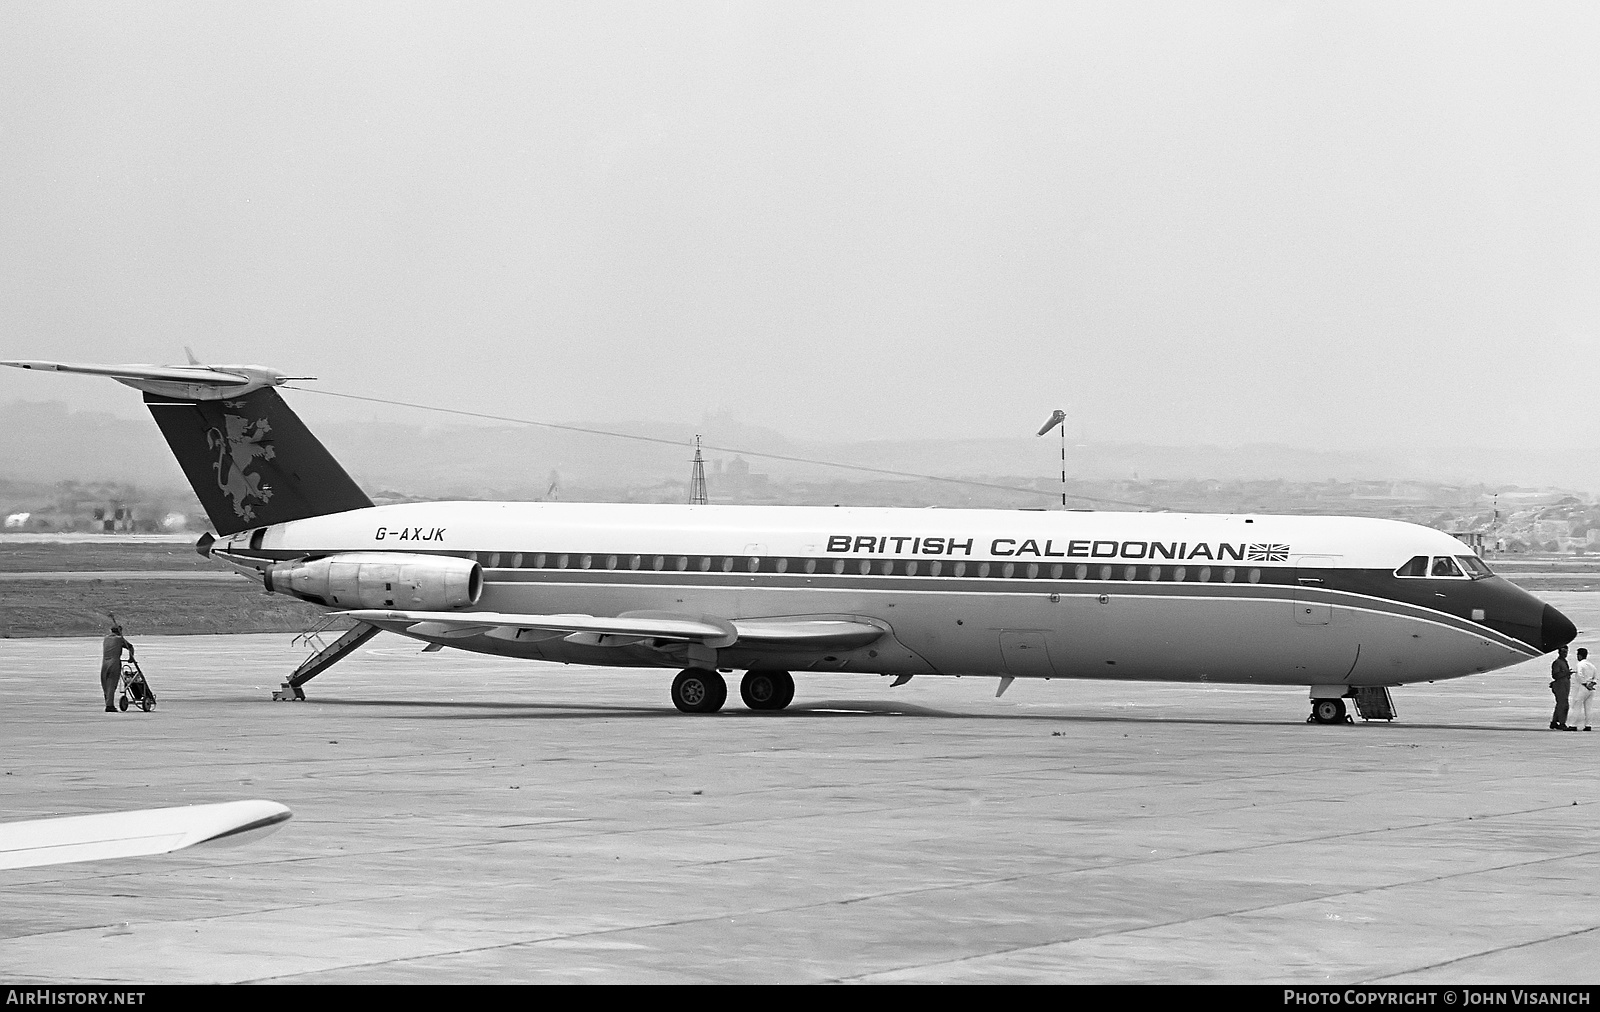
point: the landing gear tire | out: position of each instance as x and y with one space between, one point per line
698 690
767 690
1327 711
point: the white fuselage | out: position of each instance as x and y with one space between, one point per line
1195 597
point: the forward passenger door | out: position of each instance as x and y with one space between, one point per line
1310 574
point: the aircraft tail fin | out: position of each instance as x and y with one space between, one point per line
251 460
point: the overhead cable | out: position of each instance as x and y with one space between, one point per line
720 449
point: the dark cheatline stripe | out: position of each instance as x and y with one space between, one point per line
999 586
1373 590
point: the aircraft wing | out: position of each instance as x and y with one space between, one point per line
802 632
135 834
455 624
165 373
634 627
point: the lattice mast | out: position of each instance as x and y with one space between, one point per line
697 478
1063 428
1058 418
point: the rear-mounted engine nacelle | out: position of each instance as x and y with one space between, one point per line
381 580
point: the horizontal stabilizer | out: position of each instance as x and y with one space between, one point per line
135 834
177 374
192 382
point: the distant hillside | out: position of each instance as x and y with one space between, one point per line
46 443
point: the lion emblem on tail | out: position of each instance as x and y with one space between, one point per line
238 446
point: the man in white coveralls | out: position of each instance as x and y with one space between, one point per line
1583 684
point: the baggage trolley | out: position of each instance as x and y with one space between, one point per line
135 688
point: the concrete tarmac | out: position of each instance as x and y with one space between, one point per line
460 818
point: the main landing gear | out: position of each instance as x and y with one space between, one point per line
701 690
767 690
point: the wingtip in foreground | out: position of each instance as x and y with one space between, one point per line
137 833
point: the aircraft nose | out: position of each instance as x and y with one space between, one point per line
1555 630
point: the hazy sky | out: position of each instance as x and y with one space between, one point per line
1337 225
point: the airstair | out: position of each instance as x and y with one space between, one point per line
1373 702
324 655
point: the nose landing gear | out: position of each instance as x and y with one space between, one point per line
1328 711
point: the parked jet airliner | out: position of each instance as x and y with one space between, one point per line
1333 603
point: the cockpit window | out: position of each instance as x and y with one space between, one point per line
1443 567
1416 567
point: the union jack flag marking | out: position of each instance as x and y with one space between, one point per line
1267 553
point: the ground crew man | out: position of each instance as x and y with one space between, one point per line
111 664
1583 684
1561 686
